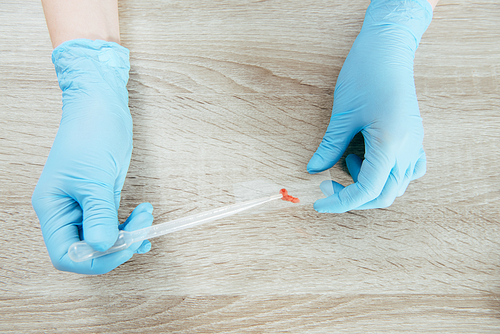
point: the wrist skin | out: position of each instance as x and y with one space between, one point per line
433 3
88 19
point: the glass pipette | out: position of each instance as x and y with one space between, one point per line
81 251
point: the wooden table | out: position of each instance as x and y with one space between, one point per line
234 91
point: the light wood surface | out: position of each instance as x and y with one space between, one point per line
232 91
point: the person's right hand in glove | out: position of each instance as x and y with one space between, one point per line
78 194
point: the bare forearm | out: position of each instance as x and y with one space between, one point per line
72 19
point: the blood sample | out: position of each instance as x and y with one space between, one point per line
287 197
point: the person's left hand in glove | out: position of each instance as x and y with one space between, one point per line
375 95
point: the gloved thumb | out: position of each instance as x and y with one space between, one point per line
335 141
100 216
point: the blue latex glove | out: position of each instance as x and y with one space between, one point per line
375 94
78 193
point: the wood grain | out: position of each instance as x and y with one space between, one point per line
242 90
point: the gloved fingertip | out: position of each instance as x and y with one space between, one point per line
316 164
100 236
148 207
330 188
320 206
144 207
327 188
332 204
144 248
141 208
139 220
